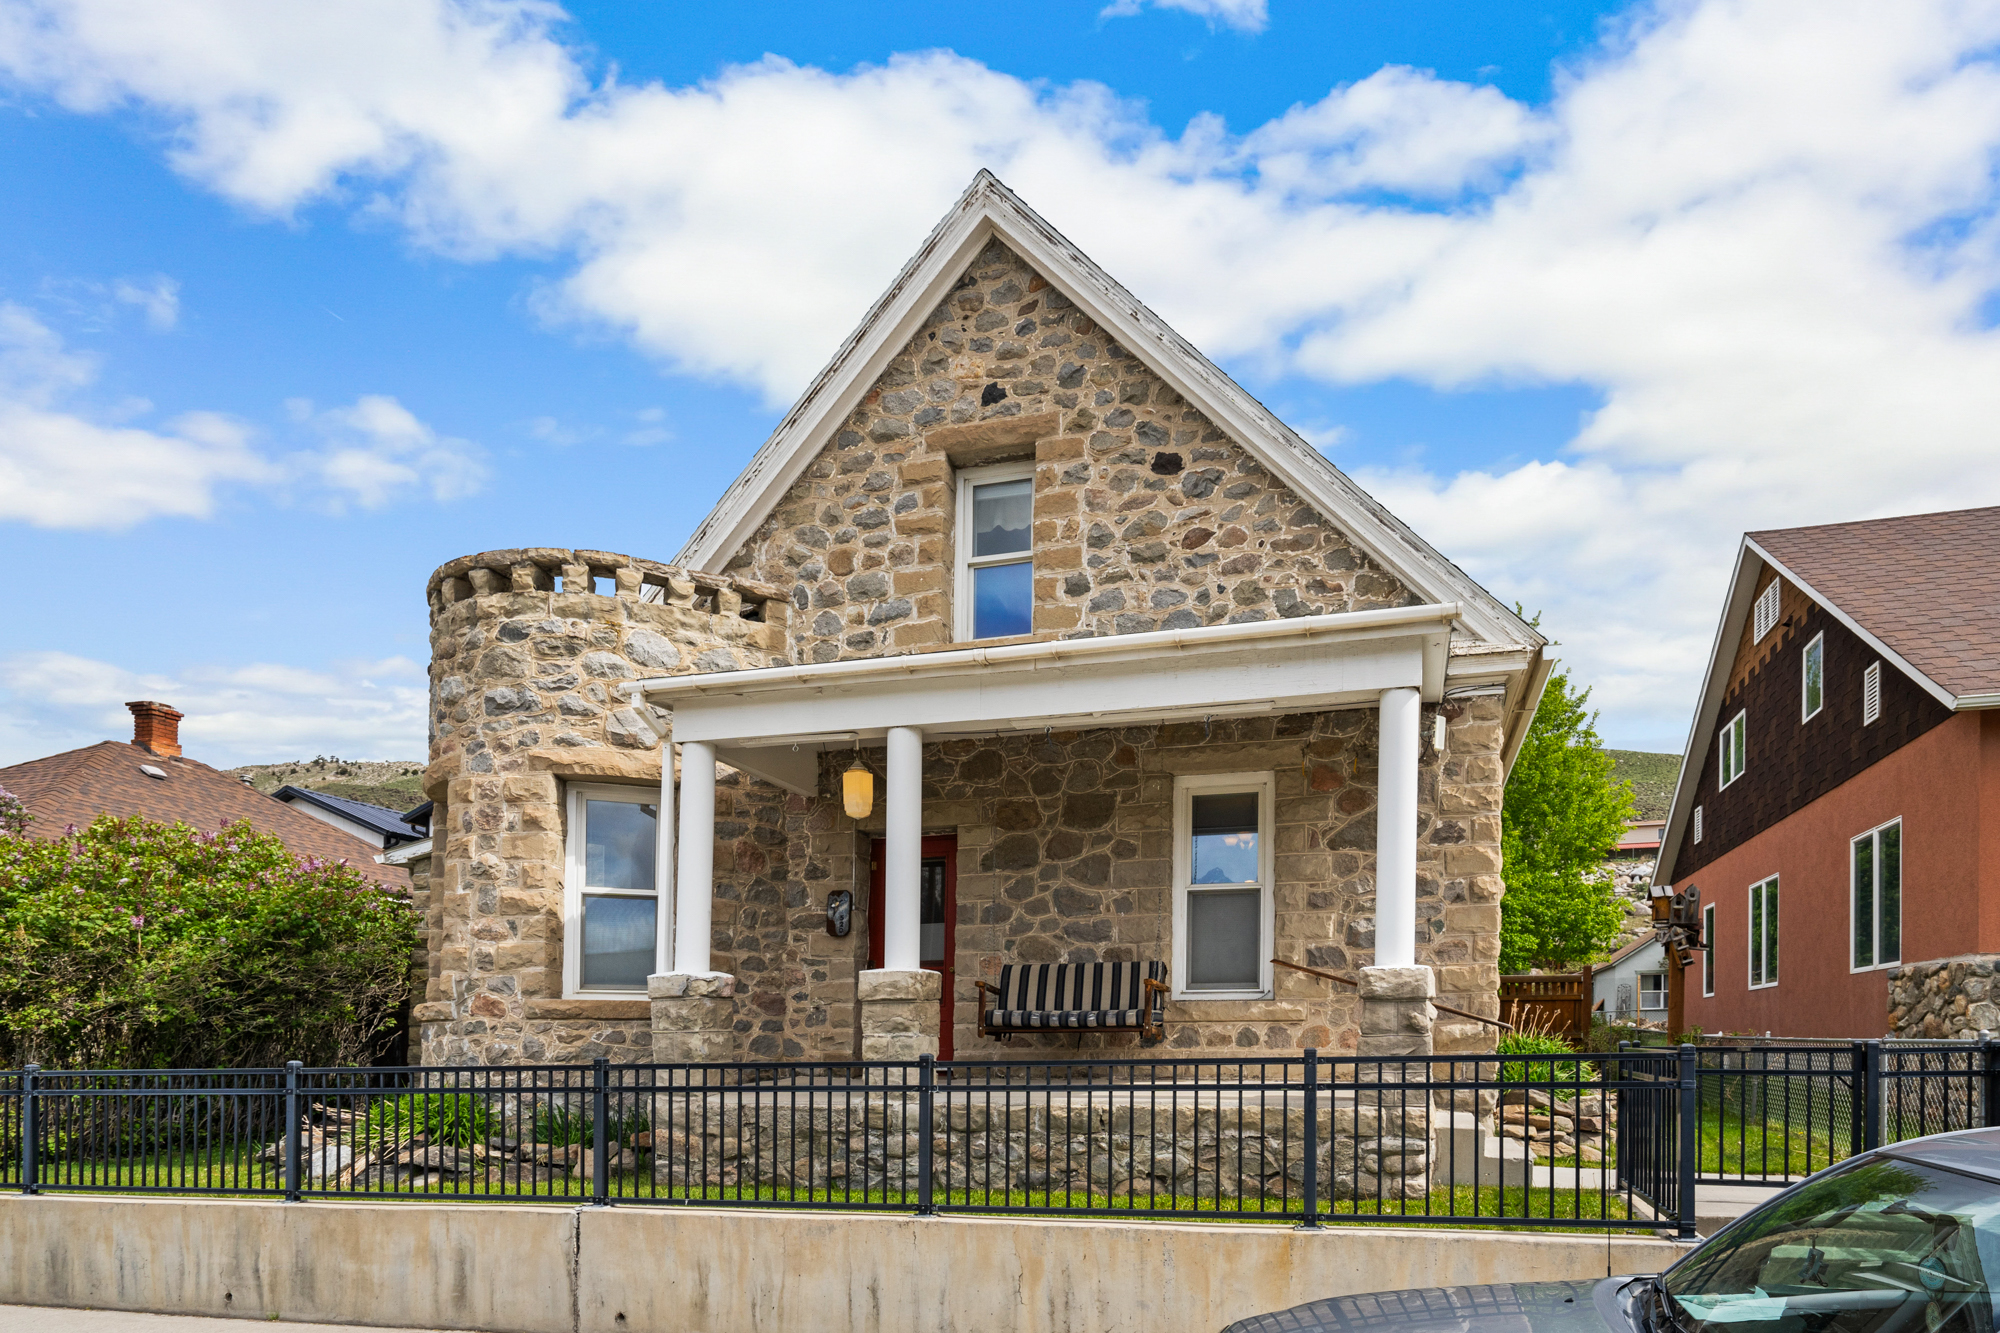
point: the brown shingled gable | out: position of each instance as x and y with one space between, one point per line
1927 585
78 785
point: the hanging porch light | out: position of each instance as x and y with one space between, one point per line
857 789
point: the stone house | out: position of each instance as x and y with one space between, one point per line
1129 672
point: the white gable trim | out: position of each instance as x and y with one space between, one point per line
987 210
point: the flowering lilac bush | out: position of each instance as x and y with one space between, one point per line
139 944
14 816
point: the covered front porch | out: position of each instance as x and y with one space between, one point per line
1318 790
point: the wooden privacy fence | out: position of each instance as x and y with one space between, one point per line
1559 1001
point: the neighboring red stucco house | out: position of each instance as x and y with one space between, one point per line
1839 805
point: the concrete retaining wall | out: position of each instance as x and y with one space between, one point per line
560 1270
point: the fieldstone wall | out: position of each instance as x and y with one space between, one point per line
1146 515
1951 999
1065 855
528 648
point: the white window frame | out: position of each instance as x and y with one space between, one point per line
1643 1007
1875 935
1871 694
1185 789
1708 950
1738 726
1750 933
575 794
1816 650
965 561
1767 610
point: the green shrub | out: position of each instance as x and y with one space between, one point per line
565 1123
1530 1040
456 1119
139 944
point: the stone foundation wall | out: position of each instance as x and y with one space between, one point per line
1085 1144
1945 998
528 650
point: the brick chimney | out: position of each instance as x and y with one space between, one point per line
156 727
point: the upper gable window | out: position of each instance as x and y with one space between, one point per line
1767 611
996 561
1812 692
1732 756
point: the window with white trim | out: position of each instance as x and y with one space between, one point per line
1652 992
1875 879
613 934
1764 933
1812 679
1730 760
1871 693
1222 886
996 559
1708 950
1767 611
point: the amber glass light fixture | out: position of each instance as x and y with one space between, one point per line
857 790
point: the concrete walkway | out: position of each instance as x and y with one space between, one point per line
45 1319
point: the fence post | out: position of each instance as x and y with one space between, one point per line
600 1129
926 1070
1990 1067
1871 1122
1690 1149
30 1131
1312 1139
294 1137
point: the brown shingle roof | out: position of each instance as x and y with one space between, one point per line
1927 585
78 785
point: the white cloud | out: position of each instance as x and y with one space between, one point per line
61 467
377 449
260 713
159 297
1761 233
1243 15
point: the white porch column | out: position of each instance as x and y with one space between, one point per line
694 878
903 843
1396 831
664 878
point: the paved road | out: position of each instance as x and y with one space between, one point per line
42 1319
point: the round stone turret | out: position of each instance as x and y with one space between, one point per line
529 651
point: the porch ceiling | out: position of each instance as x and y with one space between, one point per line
774 722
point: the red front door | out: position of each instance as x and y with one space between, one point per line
937 897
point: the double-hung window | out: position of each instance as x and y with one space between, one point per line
1733 750
613 926
996 559
1652 992
1764 933
1222 886
1812 683
1708 950
1876 881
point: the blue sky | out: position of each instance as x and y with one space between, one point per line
296 303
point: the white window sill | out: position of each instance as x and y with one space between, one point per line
1222 995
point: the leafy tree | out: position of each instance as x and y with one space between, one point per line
143 944
1562 817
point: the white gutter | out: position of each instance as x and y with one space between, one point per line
1053 653
408 852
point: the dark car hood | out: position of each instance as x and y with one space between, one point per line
1592 1306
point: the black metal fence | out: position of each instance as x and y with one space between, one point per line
1597 1141
1776 1112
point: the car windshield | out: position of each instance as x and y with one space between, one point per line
1883 1246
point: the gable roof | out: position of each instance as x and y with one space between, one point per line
1922 590
394 825
75 787
989 210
